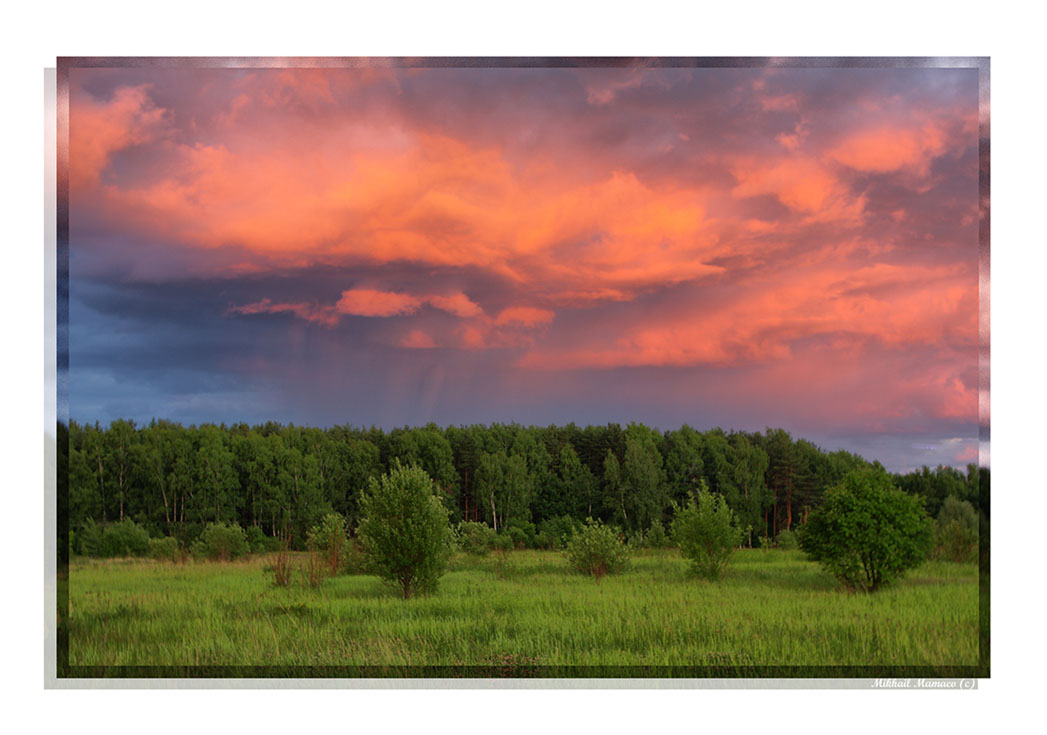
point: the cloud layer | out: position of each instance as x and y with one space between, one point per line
793 237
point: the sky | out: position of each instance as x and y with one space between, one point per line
743 248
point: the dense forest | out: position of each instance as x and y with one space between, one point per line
173 480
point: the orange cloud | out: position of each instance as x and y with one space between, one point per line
527 316
896 306
458 304
99 129
369 302
890 148
416 339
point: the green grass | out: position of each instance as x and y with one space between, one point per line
770 609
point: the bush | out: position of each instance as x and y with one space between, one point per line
328 539
89 540
224 541
706 533
519 537
125 538
559 530
522 533
787 540
257 541
544 541
404 530
476 538
596 549
956 532
766 543
354 561
867 532
656 538
635 539
164 549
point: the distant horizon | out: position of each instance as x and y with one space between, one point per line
740 247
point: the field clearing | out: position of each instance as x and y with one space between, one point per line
772 608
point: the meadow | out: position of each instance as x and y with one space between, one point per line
524 611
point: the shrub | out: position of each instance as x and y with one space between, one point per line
281 566
706 533
635 539
956 532
224 541
596 549
354 561
125 538
656 538
766 543
559 530
867 532
404 530
787 541
89 540
523 533
476 538
544 541
519 537
257 541
164 549
328 539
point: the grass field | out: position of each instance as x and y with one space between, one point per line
772 608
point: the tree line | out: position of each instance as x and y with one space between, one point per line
283 479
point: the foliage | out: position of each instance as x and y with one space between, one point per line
656 538
956 531
706 533
220 541
257 541
867 532
354 561
787 541
766 543
405 531
558 530
522 533
125 538
173 480
89 540
328 539
475 538
596 549
164 549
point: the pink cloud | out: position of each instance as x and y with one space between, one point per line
458 304
369 302
527 316
416 339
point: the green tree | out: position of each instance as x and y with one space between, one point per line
405 531
643 478
867 532
578 481
706 533
596 549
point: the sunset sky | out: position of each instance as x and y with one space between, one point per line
743 248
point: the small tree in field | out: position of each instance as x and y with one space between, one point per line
867 532
597 550
405 533
706 533
327 538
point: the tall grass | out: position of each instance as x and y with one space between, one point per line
768 610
